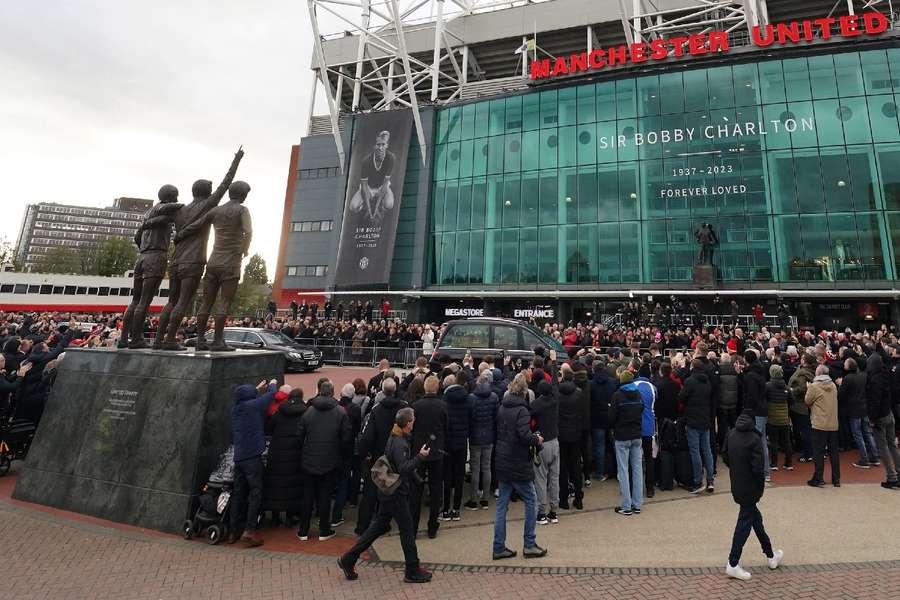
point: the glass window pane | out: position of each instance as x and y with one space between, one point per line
855 115
771 77
531 112
512 203
883 115
609 266
568 146
630 247
464 218
696 96
440 162
821 76
863 178
493 250
530 198
836 180
468 122
512 158
746 85
796 79
510 263
482 118
588 258
587 146
829 127
587 195
671 91
627 128
606 101
549 197
454 123
497 115
587 111
894 228
777 136
567 106
625 99
531 150
495 154
547 255
889 170
448 246
451 205
476 257
479 202
494 202
801 125
549 145
528 255
607 142
873 249
480 157
461 264
721 88
876 72
849 74
783 184
568 254
549 109
466 149
437 209
629 202
568 196
789 248
513 114
453 160
808 172
608 192
648 95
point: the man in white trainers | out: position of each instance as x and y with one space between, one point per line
746 464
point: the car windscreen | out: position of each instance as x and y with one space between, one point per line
273 338
467 335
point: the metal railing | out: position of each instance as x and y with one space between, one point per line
365 354
688 320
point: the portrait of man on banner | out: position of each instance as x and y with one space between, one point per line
374 196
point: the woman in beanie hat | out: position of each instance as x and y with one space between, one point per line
778 426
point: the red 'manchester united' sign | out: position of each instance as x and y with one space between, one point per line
781 34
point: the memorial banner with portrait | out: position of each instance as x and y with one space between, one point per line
372 203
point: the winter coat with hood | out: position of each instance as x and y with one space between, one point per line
326 435
459 412
821 398
603 386
569 412
499 386
696 395
746 467
648 396
878 388
354 411
852 395
753 384
283 481
378 427
626 413
545 411
483 416
512 459
728 387
778 398
248 421
667 390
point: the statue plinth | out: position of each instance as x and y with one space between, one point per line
131 436
705 276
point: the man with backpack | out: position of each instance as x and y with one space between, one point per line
394 503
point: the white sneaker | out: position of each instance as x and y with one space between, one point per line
737 572
776 559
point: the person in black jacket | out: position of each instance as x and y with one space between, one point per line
394 506
746 464
482 432
327 441
430 430
852 395
515 469
570 424
626 417
603 386
753 386
667 390
283 480
729 396
881 417
545 415
456 400
696 396
371 442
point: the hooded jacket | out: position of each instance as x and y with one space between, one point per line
283 481
625 413
378 427
746 467
696 396
648 396
821 398
326 435
603 386
456 399
397 451
248 419
483 417
728 387
667 390
514 438
753 382
569 412
778 398
878 388
545 412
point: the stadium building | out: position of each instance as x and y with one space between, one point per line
557 157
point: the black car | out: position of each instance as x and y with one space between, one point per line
297 357
500 337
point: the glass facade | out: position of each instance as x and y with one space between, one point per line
795 162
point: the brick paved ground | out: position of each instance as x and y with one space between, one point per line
48 557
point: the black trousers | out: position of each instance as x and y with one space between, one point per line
394 508
587 454
368 506
434 469
570 470
454 477
726 417
748 518
821 439
317 488
247 497
649 467
355 478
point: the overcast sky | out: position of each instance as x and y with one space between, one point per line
115 98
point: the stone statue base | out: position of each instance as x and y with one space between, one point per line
132 436
705 275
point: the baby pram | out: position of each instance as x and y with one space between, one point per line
214 502
15 438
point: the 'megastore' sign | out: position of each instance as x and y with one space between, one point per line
781 34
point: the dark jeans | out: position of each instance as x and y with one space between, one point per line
396 508
748 518
819 440
341 491
434 469
780 439
649 472
353 481
318 488
586 453
570 470
247 497
803 429
454 476
368 505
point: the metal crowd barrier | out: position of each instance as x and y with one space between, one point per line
365 354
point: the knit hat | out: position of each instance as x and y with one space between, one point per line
626 377
776 372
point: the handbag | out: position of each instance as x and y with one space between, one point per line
384 477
